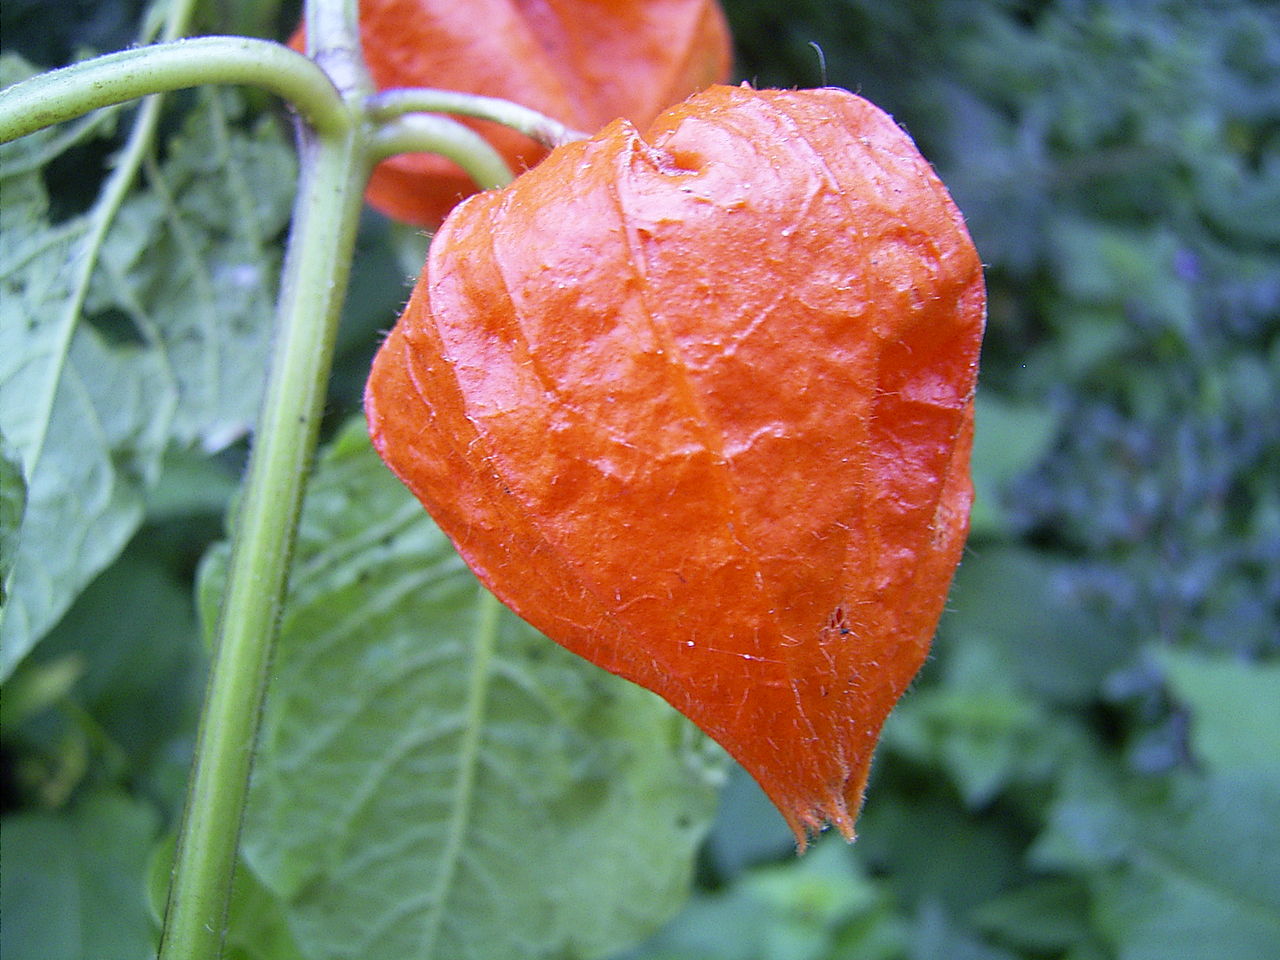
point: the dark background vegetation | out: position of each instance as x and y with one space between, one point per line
1089 766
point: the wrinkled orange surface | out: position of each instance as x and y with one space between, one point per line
698 404
582 62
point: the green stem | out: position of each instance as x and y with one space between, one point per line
316 270
118 77
333 171
388 104
333 42
424 133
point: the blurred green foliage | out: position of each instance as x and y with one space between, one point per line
1087 767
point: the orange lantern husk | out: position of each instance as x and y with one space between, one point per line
582 62
698 405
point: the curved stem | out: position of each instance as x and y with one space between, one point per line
117 77
388 104
425 133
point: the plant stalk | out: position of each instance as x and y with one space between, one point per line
317 266
333 170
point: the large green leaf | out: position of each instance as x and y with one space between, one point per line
436 779
72 884
122 330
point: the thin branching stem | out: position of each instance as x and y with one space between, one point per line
426 133
73 91
388 104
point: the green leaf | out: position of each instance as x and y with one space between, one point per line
259 922
1109 264
72 884
13 500
134 631
435 779
1177 872
56 405
978 728
36 687
748 828
1009 439
191 485
930 849
1019 603
937 936
821 906
192 262
169 346
1235 709
85 500
1046 916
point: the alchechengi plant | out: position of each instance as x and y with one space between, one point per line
697 403
693 396
581 62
